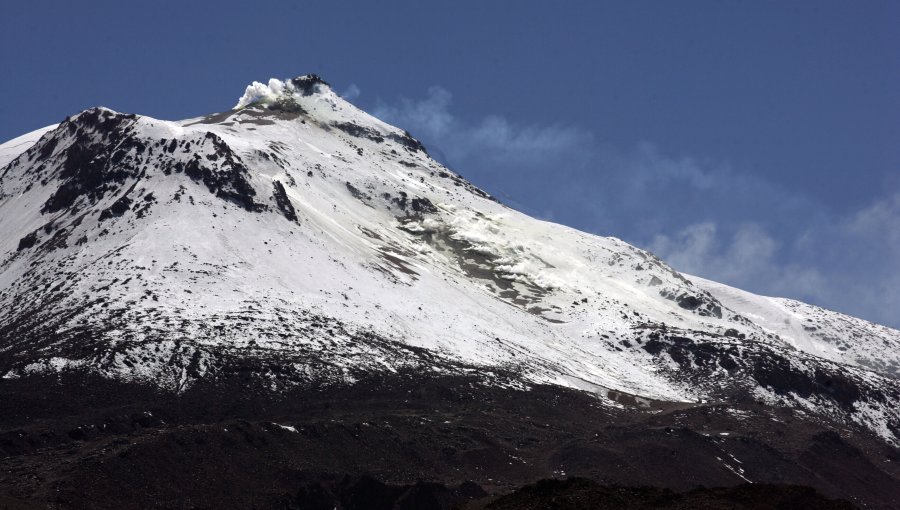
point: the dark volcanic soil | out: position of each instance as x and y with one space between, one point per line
578 493
85 442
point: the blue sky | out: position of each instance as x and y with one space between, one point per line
756 143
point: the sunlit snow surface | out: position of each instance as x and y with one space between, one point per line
20 144
392 262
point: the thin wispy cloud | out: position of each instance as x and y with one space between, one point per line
351 92
851 264
492 138
749 258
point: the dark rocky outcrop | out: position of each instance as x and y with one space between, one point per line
283 202
358 131
27 241
309 84
224 175
408 142
96 161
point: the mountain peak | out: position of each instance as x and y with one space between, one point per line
262 94
303 237
300 254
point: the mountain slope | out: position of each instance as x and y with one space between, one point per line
298 242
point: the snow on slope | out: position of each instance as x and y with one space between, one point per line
815 330
9 150
301 232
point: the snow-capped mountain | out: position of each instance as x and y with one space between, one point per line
300 241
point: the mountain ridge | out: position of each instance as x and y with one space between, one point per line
295 242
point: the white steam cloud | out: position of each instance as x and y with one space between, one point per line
258 92
261 93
